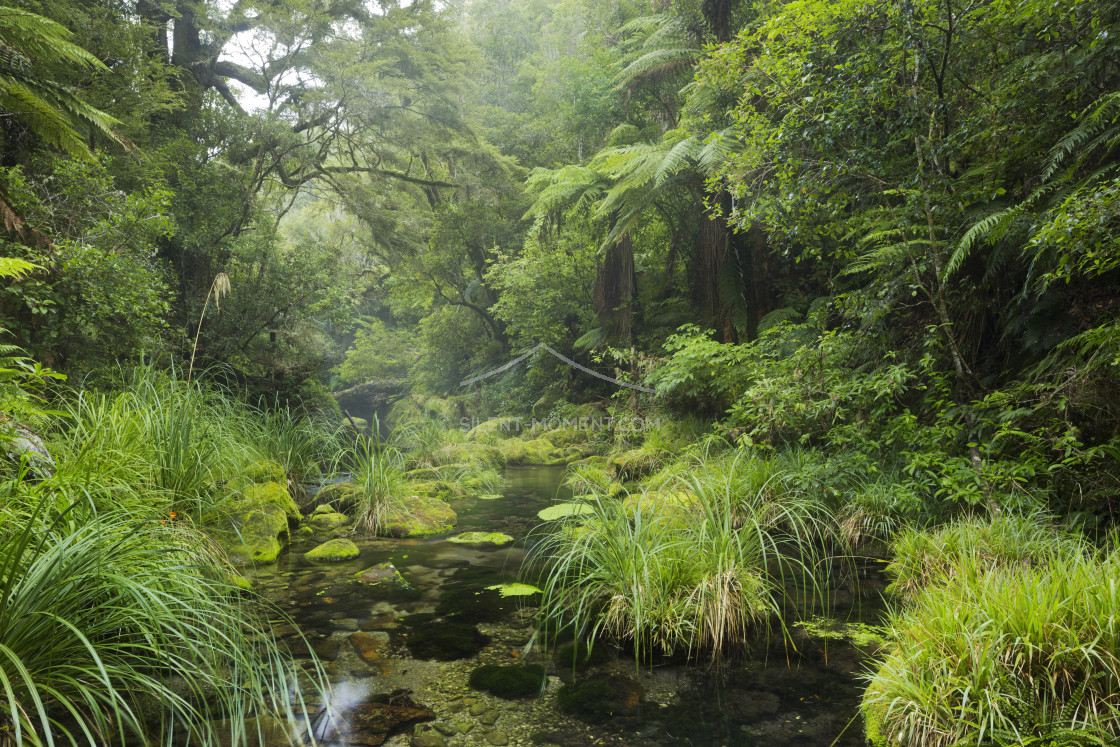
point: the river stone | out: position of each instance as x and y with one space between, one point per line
328 520
264 471
383 574
368 646
419 516
334 550
22 443
497 738
428 739
249 531
327 649
370 724
479 538
273 494
340 497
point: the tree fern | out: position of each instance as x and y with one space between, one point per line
30 44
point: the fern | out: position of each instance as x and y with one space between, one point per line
30 43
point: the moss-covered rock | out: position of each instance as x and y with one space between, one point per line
874 714
446 641
334 550
419 516
273 494
481 538
510 682
578 656
637 463
249 531
590 700
328 520
382 574
470 453
532 451
342 497
266 470
492 430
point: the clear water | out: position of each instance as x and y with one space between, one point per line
362 633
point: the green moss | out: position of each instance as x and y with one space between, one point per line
334 550
534 451
328 520
341 497
382 574
874 713
248 531
578 656
446 641
660 502
480 538
266 470
419 516
592 700
510 682
272 494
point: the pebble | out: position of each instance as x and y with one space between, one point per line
478 709
497 738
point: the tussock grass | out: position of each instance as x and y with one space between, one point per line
925 558
378 470
121 629
1010 644
699 578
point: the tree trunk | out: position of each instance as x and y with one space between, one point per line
616 290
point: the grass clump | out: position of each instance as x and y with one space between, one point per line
647 577
378 473
925 558
1004 651
119 629
510 682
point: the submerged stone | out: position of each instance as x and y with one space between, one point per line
383 574
446 641
419 516
334 550
480 538
509 682
370 724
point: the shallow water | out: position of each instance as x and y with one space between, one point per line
363 636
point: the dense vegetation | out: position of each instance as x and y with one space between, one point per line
861 257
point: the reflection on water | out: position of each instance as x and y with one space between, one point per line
399 659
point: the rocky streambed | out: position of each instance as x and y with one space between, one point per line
400 653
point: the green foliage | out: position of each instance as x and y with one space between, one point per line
928 558
115 626
378 352
700 582
30 46
1022 653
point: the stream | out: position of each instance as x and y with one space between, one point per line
371 641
